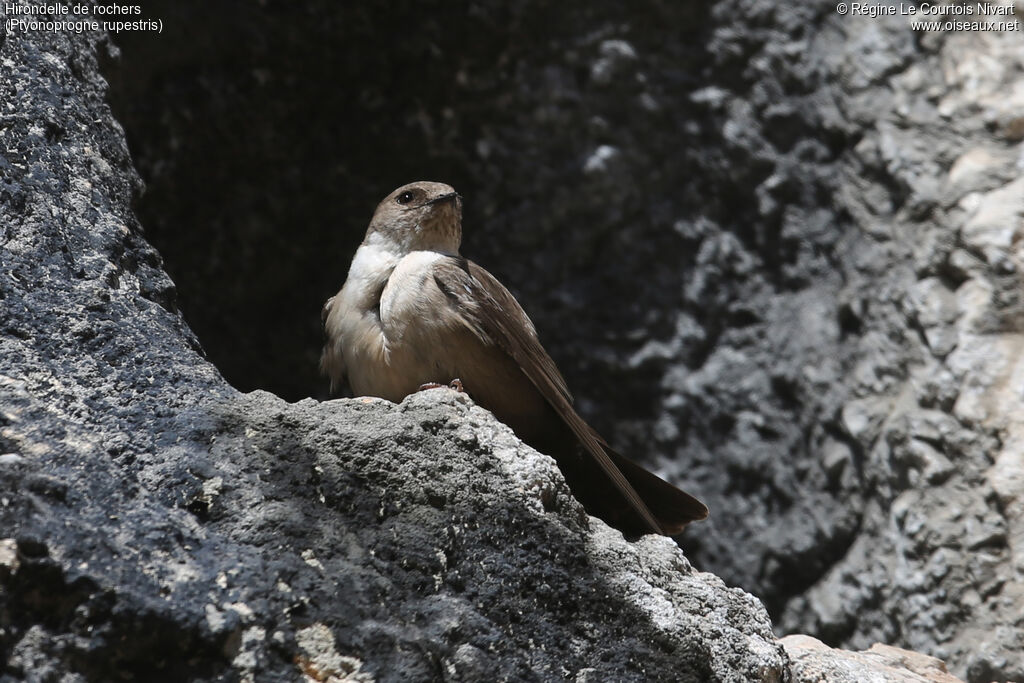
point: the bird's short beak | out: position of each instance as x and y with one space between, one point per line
444 198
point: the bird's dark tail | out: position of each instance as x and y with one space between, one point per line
672 507
653 505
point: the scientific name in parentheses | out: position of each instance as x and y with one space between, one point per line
981 9
11 8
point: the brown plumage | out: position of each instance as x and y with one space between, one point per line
414 312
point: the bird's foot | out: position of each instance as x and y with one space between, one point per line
455 384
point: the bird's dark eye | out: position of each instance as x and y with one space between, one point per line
404 198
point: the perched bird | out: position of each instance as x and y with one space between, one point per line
415 314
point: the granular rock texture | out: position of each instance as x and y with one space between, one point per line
159 525
813 662
774 249
932 388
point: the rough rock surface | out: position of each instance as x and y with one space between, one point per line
775 250
932 406
814 662
159 525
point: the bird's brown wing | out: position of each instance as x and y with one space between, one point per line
493 314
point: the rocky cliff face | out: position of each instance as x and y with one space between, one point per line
774 249
932 399
157 524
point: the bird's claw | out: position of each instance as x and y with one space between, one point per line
455 384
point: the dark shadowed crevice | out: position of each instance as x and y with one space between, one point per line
266 135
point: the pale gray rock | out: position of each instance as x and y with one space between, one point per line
815 662
773 249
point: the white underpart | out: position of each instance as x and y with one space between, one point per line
387 317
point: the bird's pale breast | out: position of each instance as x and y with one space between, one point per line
426 339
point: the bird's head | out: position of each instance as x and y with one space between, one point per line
419 216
